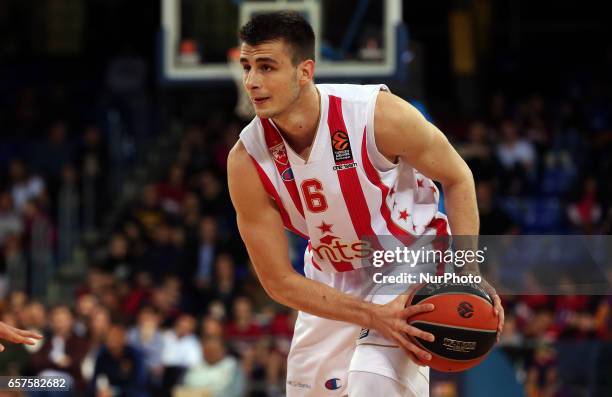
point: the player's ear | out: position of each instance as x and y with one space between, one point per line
306 71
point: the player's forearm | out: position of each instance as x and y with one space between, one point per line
313 297
462 211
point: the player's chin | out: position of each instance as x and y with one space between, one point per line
265 113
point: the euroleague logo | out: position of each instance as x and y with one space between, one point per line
340 140
465 309
333 384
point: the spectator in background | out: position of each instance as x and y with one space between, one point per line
54 154
227 141
68 213
493 220
138 295
478 152
517 157
148 212
275 365
85 305
39 239
542 377
119 262
35 318
208 250
62 351
210 193
17 301
498 108
172 191
163 257
133 232
211 327
194 150
181 350
119 369
281 330
219 373
24 186
167 299
242 331
10 221
181 347
225 287
585 211
93 163
14 264
147 337
511 337
98 325
190 218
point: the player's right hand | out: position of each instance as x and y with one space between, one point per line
391 321
16 335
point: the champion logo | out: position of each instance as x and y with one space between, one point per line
333 384
280 154
364 333
287 175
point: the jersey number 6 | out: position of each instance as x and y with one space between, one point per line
313 195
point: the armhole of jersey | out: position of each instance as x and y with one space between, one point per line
253 149
380 162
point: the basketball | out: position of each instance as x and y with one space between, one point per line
463 323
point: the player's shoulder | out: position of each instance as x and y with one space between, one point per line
238 158
353 92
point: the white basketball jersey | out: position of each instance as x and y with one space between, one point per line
347 194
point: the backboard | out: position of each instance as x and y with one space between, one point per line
355 38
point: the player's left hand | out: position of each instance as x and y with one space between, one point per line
497 306
16 335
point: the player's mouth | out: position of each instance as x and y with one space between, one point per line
260 100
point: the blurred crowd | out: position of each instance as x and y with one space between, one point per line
171 303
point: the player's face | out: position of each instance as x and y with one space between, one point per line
269 77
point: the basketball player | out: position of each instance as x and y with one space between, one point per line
16 335
334 164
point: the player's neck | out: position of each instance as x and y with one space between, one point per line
300 122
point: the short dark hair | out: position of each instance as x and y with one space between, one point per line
289 26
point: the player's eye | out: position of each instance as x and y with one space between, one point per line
266 68
246 67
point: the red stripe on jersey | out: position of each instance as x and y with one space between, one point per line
402 235
279 203
281 161
352 192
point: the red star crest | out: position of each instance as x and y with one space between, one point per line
279 152
324 227
433 189
419 182
404 215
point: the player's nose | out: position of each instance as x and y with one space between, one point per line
251 81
